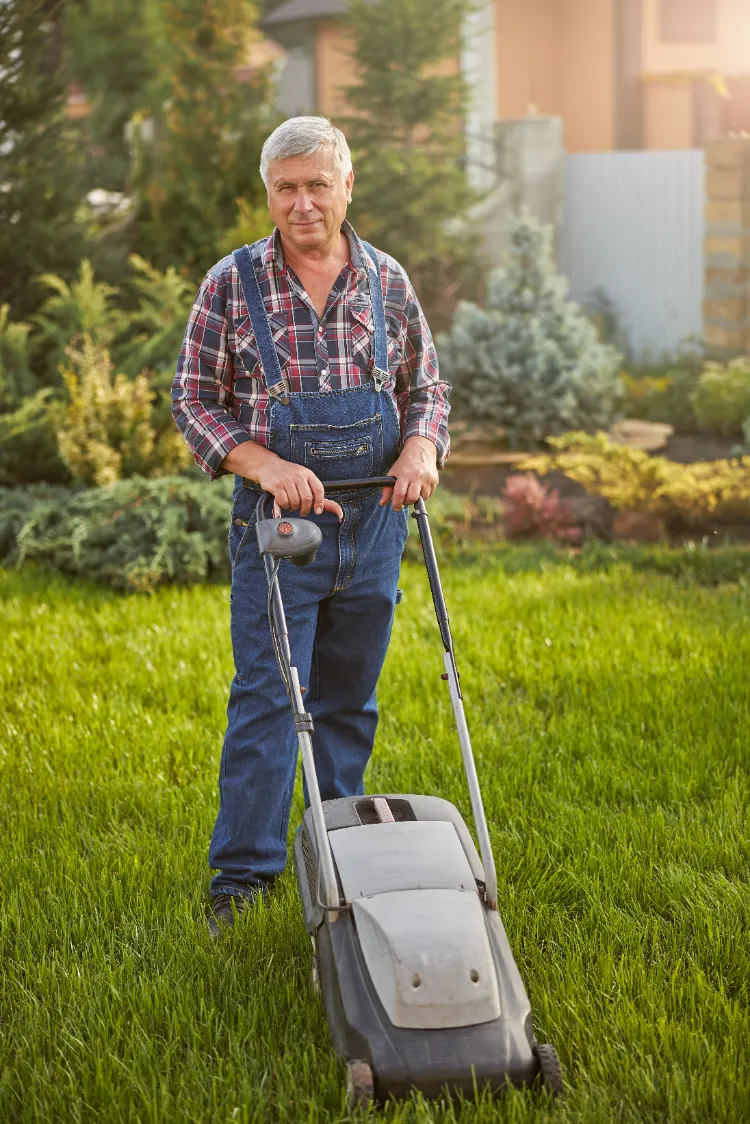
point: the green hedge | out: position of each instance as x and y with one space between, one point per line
136 534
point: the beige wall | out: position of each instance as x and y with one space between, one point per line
527 58
730 54
587 74
334 68
558 56
667 115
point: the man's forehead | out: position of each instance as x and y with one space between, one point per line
304 168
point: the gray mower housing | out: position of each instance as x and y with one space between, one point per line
417 917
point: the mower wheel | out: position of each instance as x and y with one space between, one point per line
360 1086
550 1068
315 967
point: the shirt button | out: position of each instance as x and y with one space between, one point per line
325 372
320 330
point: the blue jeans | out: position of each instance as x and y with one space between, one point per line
339 614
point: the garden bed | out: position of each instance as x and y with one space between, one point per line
480 470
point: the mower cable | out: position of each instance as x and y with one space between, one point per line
274 634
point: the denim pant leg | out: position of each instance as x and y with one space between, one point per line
339 614
354 628
259 754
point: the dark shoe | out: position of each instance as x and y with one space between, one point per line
225 908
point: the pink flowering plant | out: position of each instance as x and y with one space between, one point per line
532 511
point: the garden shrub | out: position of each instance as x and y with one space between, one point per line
134 535
154 329
631 480
106 430
721 399
28 440
29 451
532 511
16 378
530 361
663 394
692 396
85 307
142 323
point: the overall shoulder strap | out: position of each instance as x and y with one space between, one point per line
269 360
380 374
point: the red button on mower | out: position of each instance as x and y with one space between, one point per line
285 528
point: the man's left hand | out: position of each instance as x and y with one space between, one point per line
416 474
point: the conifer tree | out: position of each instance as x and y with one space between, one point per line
112 47
411 195
199 153
530 360
40 175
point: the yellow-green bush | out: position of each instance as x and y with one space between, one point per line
709 491
107 431
721 400
662 395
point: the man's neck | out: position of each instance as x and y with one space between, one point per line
320 259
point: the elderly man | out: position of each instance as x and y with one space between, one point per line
306 359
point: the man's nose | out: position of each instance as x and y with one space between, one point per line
302 203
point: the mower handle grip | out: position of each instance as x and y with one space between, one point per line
266 499
366 482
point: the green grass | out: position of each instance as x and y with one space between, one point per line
611 720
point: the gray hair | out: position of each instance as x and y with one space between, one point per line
302 136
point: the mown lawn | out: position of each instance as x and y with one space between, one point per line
611 719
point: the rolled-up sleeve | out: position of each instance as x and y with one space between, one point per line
203 382
423 395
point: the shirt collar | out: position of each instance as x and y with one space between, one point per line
273 253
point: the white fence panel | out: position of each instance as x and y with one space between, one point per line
633 227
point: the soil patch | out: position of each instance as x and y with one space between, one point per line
688 448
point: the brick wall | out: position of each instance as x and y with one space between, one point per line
726 308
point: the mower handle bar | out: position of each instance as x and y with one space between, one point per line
265 510
266 498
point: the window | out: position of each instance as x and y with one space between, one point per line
688 21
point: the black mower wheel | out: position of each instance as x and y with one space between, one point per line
550 1068
360 1086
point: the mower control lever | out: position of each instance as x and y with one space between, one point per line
297 539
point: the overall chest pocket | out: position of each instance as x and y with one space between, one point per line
339 452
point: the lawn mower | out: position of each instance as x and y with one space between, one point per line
416 973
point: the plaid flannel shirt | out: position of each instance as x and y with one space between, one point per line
219 398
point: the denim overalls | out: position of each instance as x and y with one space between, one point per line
339 609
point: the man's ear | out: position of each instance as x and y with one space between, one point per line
349 183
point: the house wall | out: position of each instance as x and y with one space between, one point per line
678 112
334 68
729 54
668 115
527 60
586 34
556 57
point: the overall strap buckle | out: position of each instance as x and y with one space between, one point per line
380 378
280 392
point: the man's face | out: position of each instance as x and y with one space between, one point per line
307 198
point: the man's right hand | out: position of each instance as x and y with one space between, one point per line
294 487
